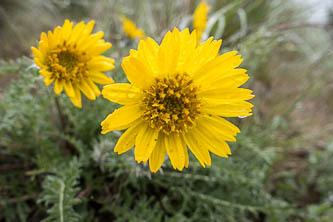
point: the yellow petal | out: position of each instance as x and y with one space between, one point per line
100 66
185 151
226 61
76 100
84 36
149 54
175 149
76 32
69 88
169 52
225 79
37 53
100 63
92 40
214 145
198 149
219 127
43 47
127 140
93 87
121 118
122 93
58 86
137 72
67 29
145 143
204 53
234 109
100 78
57 35
51 42
214 130
99 48
43 37
48 81
102 59
187 47
158 155
89 27
87 90
233 94
38 62
45 73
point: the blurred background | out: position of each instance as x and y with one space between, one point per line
281 168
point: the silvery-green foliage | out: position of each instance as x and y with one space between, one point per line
56 166
60 190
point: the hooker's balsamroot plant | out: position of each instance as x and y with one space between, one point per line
71 58
177 93
55 165
130 29
200 19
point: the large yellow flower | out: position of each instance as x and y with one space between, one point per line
177 94
130 29
200 19
71 58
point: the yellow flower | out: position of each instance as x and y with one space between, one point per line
177 94
200 18
130 29
71 58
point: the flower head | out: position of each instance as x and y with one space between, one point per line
130 29
71 58
176 98
200 19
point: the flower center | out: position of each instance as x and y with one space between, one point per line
171 104
66 62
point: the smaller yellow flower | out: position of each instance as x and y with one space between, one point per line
130 29
71 58
200 19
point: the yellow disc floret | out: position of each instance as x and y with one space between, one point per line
171 104
66 62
